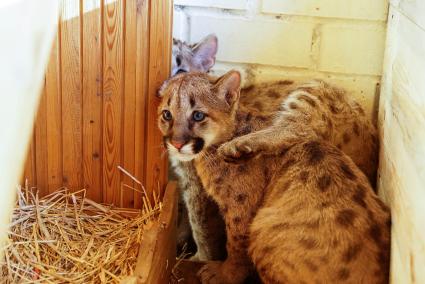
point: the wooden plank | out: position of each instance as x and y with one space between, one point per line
30 174
129 103
54 117
71 95
40 142
92 99
157 253
159 71
113 68
401 178
142 71
414 10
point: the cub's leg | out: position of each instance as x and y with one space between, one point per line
320 222
237 266
184 230
206 222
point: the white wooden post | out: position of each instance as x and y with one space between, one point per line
402 132
27 29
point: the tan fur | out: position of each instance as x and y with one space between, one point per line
357 137
304 210
317 106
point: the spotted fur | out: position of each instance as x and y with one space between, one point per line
301 221
334 117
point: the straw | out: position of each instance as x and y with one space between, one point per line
65 237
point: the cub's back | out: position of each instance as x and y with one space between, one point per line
331 112
320 222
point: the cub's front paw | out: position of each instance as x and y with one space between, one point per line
238 150
211 273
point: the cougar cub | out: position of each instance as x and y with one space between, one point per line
300 211
352 132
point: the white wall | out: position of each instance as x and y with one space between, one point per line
401 178
341 41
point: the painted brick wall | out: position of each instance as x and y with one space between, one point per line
340 41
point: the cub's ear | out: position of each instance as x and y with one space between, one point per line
204 52
228 86
161 90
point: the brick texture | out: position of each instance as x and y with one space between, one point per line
342 41
246 41
352 49
346 9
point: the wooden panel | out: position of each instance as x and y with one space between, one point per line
92 98
160 42
129 104
71 95
98 110
142 70
113 85
41 139
402 131
54 117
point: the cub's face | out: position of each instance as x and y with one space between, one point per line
197 111
194 57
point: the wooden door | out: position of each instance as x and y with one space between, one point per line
99 104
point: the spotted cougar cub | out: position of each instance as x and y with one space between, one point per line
350 131
300 214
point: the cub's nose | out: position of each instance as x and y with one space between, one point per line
177 144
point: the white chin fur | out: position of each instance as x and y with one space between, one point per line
185 155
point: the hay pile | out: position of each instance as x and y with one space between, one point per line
67 238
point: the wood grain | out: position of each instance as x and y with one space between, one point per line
71 95
113 69
142 75
54 117
129 103
41 139
92 98
160 43
99 106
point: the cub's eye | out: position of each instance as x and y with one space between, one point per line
166 114
198 116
